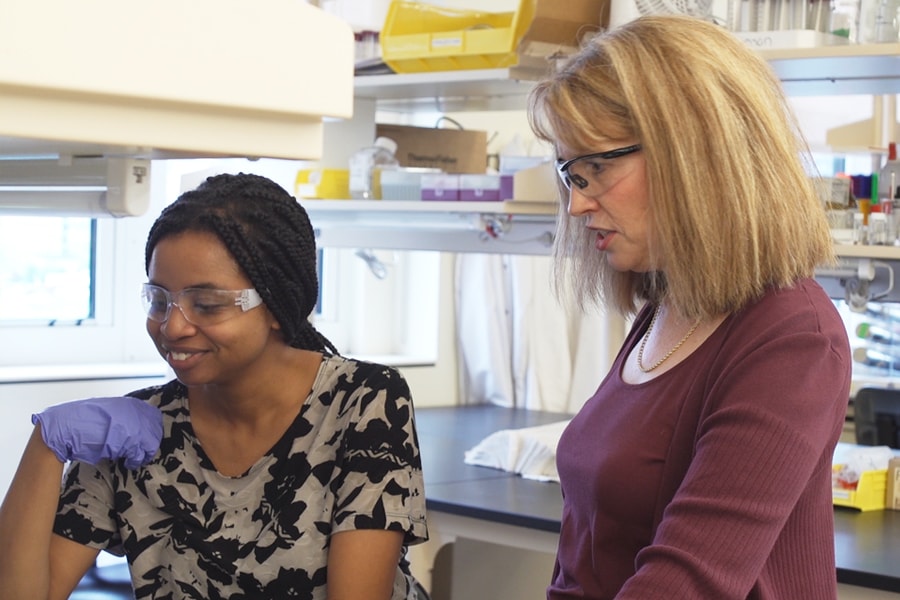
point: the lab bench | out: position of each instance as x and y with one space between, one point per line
499 508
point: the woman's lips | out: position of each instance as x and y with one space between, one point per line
603 239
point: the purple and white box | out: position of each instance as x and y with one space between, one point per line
440 186
479 188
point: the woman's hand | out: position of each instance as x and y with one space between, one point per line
102 428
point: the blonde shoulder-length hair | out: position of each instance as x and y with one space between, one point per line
733 209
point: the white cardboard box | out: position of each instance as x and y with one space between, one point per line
892 499
536 184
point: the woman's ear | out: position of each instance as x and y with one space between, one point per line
274 324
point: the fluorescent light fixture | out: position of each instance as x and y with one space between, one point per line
81 186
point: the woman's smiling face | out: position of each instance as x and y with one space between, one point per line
215 353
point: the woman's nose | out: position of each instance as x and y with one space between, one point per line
579 204
175 322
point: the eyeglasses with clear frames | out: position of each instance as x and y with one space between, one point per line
200 306
590 173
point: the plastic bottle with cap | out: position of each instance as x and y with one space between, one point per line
365 165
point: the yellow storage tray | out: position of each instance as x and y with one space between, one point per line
868 495
418 37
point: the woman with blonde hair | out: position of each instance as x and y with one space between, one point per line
701 466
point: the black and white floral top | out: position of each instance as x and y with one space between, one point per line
349 461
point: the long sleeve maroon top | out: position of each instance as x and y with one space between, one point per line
713 480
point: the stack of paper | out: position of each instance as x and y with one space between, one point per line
529 452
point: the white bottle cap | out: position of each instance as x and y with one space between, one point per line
386 143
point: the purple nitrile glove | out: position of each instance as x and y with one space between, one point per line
97 428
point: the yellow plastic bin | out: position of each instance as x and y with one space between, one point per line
419 37
331 184
868 495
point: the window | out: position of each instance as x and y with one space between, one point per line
69 290
47 269
381 305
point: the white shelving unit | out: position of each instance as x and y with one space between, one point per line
828 70
505 227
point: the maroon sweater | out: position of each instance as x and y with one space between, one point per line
712 481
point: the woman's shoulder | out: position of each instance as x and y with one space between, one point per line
801 309
356 372
166 395
805 299
348 364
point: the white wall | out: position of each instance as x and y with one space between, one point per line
437 385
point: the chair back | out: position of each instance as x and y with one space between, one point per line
876 416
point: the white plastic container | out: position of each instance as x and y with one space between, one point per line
366 165
404 183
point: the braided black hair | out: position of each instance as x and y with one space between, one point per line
270 237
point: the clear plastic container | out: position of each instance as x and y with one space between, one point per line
365 166
877 22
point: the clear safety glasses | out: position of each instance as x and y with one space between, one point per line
199 306
593 174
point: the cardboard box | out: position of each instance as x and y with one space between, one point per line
558 28
450 150
892 497
536 184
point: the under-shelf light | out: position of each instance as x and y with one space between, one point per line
82 186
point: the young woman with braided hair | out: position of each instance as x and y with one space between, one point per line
271 467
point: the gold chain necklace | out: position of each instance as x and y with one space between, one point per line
640 355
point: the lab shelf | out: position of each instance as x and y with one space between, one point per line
360 208
447 91
820 71
837 70
868 270
503 227
876 252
